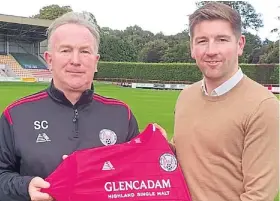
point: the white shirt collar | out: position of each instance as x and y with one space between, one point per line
226 86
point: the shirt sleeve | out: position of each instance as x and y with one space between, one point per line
260 155
13 187
133 129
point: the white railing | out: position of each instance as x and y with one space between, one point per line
274 89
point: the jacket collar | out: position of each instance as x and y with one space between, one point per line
58 95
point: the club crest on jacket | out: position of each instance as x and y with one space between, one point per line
107 137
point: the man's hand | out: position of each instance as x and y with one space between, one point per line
36 184
161 130
171 143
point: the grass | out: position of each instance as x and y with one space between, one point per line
147 105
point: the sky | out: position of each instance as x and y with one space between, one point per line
166 16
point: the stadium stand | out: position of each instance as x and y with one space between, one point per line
6 70
32 63
28 61
15 67
2 71
20 46
2 74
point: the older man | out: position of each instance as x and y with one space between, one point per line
36 131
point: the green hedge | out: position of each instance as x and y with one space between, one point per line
264 74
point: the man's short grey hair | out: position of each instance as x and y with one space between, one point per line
80 18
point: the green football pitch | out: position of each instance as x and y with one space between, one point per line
147 105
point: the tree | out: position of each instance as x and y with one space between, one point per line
250 18
153 51
277 29
52 12
179 53
253 42
271 54
179 48
114 48
135 44
138 37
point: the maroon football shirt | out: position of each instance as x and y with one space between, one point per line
143 169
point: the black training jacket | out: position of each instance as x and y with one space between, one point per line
37 130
